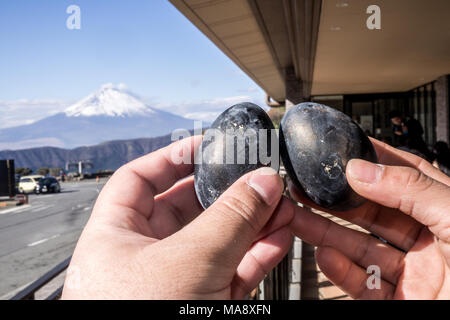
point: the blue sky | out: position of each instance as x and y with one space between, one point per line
146 44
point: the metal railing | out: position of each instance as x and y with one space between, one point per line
28 293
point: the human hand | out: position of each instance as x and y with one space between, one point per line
409 206
146 238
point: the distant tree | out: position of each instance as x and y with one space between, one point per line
276 114
23 171
55 171
43 171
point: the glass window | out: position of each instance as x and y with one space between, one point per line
371 111
362 114
422 106
331 101
431 115
415 106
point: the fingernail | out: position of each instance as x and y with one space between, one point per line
364 171
267 183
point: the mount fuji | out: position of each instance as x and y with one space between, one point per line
111 113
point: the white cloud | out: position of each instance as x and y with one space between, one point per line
25 111
26 144
206 110
203 116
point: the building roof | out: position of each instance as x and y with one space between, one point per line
328 43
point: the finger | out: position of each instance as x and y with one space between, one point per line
350 277
227 229
360 248
263 256
388 223
407 189
394 157
282 216
162 168
174 209
135 184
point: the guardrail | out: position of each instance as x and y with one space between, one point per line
29 292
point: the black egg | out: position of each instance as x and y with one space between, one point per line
316 143
231 147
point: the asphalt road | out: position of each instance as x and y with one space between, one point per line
36 237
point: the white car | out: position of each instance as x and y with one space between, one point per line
28 183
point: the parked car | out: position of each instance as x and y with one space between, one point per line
47 185
28 183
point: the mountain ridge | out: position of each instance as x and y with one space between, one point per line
106 155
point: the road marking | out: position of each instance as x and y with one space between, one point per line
41 197
87 208
46 196
42 241
42 208
16 209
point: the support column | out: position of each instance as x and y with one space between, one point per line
294 96
294 88
441 87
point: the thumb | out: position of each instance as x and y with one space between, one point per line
406 189
230 225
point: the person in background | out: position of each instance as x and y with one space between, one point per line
408 135
442 157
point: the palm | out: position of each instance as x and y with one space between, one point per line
167 214
151 221
145 236
414 264
423 274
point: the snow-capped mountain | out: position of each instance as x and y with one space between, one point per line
111 113
110 100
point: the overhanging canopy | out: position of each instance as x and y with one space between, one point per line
327 42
